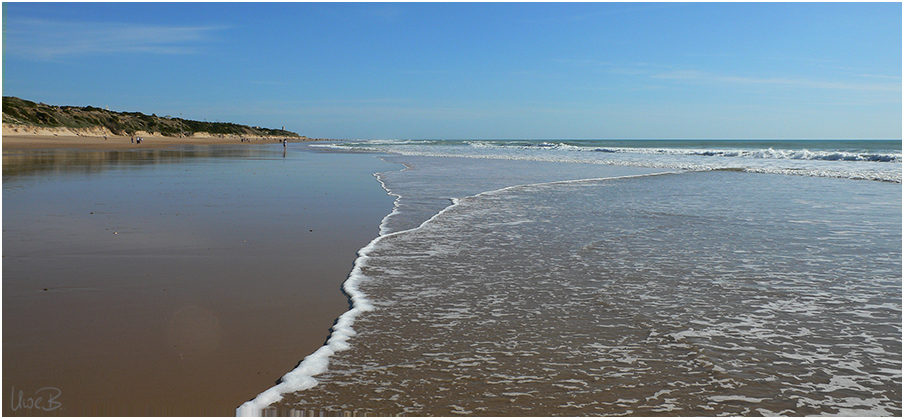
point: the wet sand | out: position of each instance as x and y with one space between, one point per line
175 282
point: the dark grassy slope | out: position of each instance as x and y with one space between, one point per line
23 112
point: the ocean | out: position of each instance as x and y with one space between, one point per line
548 278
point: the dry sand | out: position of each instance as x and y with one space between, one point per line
23 137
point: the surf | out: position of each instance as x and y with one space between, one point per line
303 377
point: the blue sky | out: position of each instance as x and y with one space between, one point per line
473 70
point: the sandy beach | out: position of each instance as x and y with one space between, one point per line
179 282
46 140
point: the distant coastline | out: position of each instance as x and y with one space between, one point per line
30 125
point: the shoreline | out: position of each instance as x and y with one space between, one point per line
302 377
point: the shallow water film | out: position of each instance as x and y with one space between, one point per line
691 293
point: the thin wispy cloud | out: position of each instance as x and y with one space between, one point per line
705 77
49 40
881 76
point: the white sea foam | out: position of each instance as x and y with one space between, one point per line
740 398
302 377
758 153
585 284
847 164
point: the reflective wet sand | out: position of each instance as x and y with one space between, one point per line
173 282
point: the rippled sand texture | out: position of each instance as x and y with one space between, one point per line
684 294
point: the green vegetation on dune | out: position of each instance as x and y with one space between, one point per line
18 111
